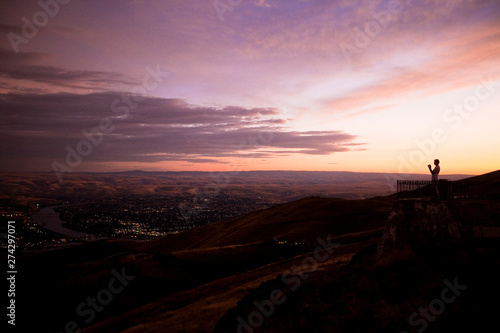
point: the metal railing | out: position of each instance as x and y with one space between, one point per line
448 190
407 189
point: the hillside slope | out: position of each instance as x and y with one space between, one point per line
490 177
305 219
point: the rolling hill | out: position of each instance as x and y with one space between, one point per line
300 220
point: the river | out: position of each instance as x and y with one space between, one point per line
49 219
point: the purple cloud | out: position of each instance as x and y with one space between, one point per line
40 127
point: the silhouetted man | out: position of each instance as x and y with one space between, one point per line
435 175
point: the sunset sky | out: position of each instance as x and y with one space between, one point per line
228 85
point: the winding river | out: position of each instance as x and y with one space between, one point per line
49 219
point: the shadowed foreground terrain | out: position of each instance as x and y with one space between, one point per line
312 265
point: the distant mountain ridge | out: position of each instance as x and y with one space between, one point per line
280 186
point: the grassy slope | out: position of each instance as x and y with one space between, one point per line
199 309
378 298
307 218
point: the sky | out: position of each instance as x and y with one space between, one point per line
234 85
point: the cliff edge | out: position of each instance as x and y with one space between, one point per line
425 226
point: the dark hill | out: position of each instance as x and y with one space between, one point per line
490 177
300 220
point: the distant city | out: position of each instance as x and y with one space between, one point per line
131 217
145 218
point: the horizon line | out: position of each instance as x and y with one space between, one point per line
242 171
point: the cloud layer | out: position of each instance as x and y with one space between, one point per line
39 128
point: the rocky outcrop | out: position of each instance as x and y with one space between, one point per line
425 226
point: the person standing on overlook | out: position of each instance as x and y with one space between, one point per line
435 175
